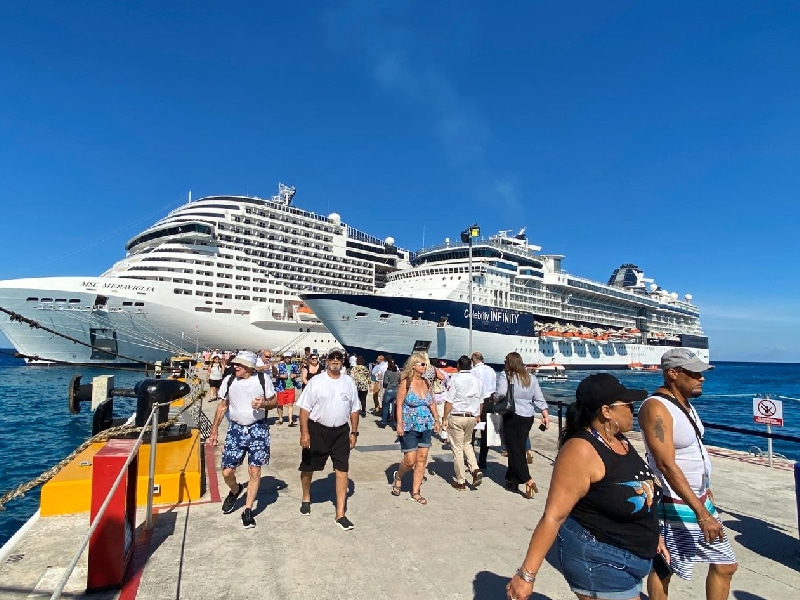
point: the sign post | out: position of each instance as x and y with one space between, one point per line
768 412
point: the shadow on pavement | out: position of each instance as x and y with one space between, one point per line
764 539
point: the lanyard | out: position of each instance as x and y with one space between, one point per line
696 432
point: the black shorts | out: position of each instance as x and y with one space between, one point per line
214 383
325 442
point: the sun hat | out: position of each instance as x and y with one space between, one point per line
602 389
246 359
683 358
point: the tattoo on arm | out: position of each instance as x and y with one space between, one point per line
659 429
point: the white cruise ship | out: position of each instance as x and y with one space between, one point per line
219 272
521 301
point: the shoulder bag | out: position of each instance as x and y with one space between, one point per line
505 404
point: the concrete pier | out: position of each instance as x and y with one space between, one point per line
461 545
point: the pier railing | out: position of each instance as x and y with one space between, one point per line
152 425
561 406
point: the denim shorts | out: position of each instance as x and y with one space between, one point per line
596 569
411 440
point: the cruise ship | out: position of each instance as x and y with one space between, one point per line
218 272
521 301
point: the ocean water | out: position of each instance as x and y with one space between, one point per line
37 430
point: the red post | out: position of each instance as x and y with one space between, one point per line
111 545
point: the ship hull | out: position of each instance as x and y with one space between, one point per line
368 325
135 323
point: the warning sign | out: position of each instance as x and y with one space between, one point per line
768 411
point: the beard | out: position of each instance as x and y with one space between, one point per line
696 392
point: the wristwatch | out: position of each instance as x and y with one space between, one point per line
355 433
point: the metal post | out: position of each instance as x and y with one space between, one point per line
470 295
769 444
151 475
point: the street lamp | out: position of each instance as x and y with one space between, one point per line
467 236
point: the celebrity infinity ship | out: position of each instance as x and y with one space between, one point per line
219 272
521 301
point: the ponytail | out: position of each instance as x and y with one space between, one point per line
578 417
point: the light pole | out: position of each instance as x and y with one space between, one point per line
466 236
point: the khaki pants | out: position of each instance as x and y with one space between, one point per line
459 433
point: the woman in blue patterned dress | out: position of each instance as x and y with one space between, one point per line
417 419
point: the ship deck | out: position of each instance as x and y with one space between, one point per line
461 545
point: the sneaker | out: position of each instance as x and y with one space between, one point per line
248 522
477 477
230 501
344 523
459 486
305 508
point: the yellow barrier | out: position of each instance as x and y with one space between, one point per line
178 475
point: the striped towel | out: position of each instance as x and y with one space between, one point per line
684 538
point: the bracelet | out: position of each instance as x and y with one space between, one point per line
704 520
526 575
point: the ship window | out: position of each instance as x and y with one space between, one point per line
384 315
223 310
138 304
61 299
202 308
360 314
47 299
127 304
241 312
32 299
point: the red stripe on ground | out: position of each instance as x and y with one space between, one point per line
211 474
141 552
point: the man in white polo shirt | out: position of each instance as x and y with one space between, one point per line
462 406
329 411
246 400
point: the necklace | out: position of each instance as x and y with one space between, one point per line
619 437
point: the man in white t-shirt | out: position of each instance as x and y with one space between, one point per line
246 399
329 411
380 367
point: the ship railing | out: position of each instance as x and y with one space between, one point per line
152 424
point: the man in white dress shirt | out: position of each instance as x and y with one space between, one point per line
329 411
489 380
462 406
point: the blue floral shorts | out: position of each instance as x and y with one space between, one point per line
251 439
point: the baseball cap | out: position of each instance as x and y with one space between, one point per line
287 353
246 359
602 389
332 352
683 358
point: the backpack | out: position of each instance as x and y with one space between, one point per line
227 382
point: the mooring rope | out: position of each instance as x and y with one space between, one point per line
105 435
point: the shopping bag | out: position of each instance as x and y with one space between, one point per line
494 423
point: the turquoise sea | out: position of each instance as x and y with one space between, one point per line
36 429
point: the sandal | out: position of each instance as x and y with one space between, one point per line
530 488
529 457
418 498
396 485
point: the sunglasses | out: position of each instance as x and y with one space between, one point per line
336 356
628 404
421 364
692 374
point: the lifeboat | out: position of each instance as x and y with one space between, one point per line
636 366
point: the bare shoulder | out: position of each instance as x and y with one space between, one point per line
651 410
578 457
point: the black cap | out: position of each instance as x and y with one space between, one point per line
603 389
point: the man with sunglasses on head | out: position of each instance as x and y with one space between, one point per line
690 523
329 411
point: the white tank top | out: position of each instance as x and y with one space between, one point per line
691 459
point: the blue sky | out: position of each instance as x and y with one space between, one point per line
660 134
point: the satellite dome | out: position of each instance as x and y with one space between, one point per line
688 297
335 218
389 241
674 296
653 287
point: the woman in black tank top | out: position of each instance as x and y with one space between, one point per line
602 500
310 369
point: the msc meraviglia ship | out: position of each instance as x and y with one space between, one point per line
219 272
522 301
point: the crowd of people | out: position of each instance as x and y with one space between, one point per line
618 519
